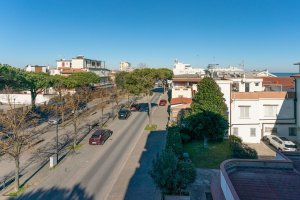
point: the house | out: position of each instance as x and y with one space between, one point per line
82 64
36 68
278 84
181 68
125 66
246 179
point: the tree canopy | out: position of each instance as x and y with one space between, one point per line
209 98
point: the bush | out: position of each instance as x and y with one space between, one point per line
171 175
174 141
185 137
241 150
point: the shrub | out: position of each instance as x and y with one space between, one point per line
171 175
174 141
185 137
241 150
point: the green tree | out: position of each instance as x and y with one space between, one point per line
209 98
171 175
206 125
164 74
142 81
121 80
18 79
82 79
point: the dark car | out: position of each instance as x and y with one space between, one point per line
100 136
162 102
135 107
124 114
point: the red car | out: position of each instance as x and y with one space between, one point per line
100 136
135 107
163 102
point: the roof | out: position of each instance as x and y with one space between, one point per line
262 95
295 75
262 183
247 179
70 71
181 100
286 82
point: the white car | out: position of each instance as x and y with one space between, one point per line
281 143
54 121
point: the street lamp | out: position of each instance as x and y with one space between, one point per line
57 121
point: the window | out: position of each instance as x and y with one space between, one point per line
235 131
270 110
247 87
256 84
244 112
272 130
292 131
252 132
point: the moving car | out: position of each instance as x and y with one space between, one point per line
281 143
100 136
163 102
124 114
135 107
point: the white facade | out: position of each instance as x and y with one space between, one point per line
24 99
247 84
30 68
125 66
268 113
63 63
181 68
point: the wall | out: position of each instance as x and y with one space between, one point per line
283 121
24 98
78 63
185 92
67 63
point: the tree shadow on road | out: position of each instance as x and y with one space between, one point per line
76 193
141 183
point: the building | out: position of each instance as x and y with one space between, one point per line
246 179
125 66
181 69
82 64
36 68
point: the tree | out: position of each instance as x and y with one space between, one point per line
209 98
164 74
206 124
16 134
141 81
82 79
121 80
171 175
18 79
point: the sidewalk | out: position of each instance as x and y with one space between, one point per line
134 182
37 156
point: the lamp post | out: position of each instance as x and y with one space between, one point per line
57 121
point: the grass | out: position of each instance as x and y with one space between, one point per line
19 192
211 157
152 127
71 147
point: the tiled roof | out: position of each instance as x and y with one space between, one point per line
262 95
286 82
295 75
186 79
180 100
70 71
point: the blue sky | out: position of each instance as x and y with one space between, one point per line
262 33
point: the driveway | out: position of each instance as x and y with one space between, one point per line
264 150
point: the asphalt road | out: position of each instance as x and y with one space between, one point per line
91 172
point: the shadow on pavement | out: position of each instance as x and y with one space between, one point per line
77 192
141 183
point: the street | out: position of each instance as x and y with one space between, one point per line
92 170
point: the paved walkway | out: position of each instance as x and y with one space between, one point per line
134 182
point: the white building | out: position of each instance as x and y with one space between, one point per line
125 66
256 114
181 68
80 63
36 68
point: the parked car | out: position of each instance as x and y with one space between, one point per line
100 136
135 107
54 120
281 143
124 114
163 102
